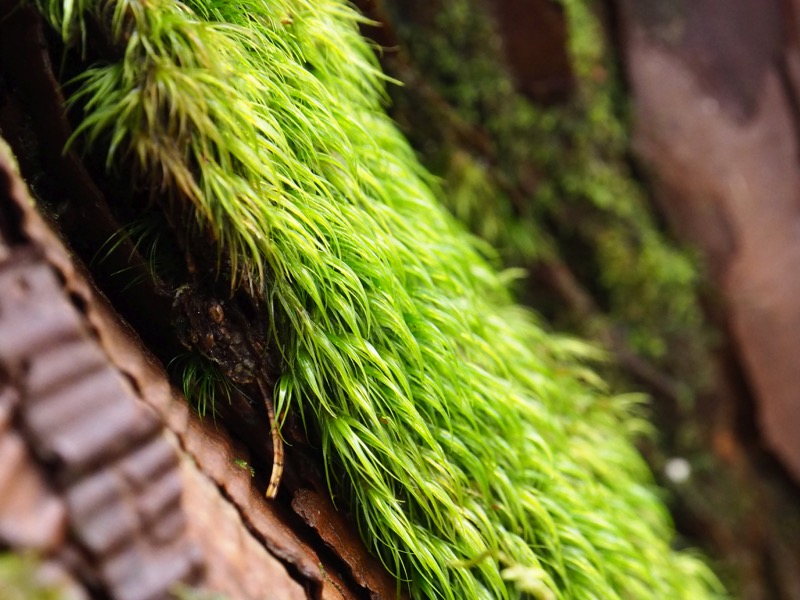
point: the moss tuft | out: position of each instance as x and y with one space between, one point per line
479 459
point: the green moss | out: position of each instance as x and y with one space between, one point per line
584 207
21 579
203 382
480 456
242 464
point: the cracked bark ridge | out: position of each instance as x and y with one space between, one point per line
334 531
117 477
31 514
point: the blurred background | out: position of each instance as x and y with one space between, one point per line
639 160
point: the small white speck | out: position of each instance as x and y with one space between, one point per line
678 470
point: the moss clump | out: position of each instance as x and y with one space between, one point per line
574 197
473 448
